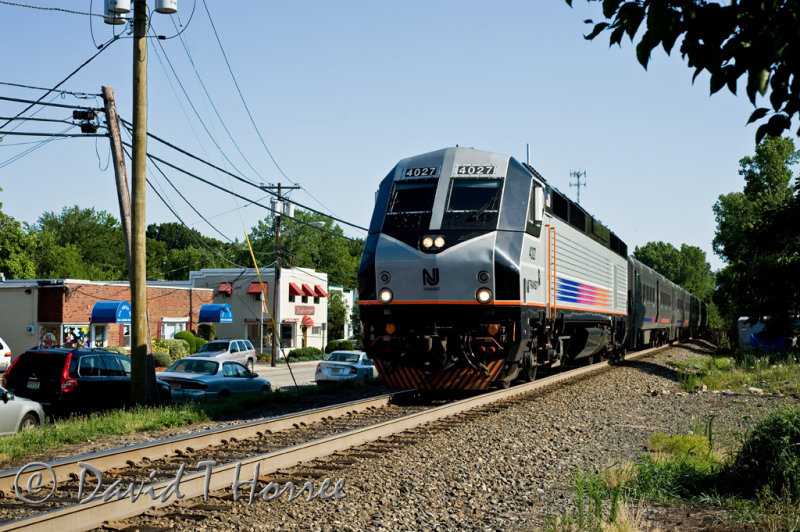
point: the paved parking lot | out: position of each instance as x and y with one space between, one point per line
280 376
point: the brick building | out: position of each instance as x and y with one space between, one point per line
59 311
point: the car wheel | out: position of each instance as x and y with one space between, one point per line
29 421
224 393
249 365
266 388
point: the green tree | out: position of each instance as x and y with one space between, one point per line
95 236
177 250
15 246
757 235
729 40
337 314
309 241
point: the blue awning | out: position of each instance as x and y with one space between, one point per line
111 312
216 313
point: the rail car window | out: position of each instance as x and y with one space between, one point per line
413 196
478 195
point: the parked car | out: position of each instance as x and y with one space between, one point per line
17 413
206 377
345 365
241 351
5 356
67 380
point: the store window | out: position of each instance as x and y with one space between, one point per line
170 326
126 336
76 335
99 335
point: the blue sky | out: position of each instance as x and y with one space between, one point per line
342 91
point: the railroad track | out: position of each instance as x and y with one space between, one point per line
207 465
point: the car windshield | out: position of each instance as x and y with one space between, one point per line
337 356
213 346
187 365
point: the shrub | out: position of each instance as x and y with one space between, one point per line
343 345
308 353
770 456
207 331
162 359
116 349
198 343
189 337
177 349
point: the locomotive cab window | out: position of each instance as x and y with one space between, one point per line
475 195
535 211
473 204
413 196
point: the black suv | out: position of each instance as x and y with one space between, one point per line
66 380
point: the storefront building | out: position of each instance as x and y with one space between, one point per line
302 305
71 312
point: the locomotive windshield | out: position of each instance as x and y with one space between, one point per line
476 195
413 196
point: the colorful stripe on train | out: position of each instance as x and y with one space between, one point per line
461 378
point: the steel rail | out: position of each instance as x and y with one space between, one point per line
93 514
120 457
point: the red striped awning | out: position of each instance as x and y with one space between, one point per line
320 291
307 321
308 291
225 288
255 288
295 290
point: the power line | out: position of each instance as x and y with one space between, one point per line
252 121
213 106
197 114
239 178
104 47
253 202
38 145
46 104
42 8
82 95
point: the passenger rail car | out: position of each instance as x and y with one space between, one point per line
475 270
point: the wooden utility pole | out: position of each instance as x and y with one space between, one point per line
143 388
276 300
123 192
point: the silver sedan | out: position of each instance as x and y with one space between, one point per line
197 378
17 413
345 366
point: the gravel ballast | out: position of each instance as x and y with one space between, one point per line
511 469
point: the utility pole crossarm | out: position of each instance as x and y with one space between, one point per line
577 176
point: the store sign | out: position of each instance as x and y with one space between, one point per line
304 310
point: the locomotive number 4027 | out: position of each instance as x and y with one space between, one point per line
475 170
428 171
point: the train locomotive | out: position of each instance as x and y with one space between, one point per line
477 272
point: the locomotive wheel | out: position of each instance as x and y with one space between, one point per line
529 369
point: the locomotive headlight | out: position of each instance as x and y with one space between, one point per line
439 242
427 242
483 295
386 295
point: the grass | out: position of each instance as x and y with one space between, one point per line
756 485
772 372
91 427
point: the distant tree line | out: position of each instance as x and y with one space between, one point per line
88 244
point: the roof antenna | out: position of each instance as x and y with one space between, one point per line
528 154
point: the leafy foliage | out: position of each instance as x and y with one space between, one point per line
337 314
176 348
754 40
15 248
757 235
343 345
770 457
189 338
